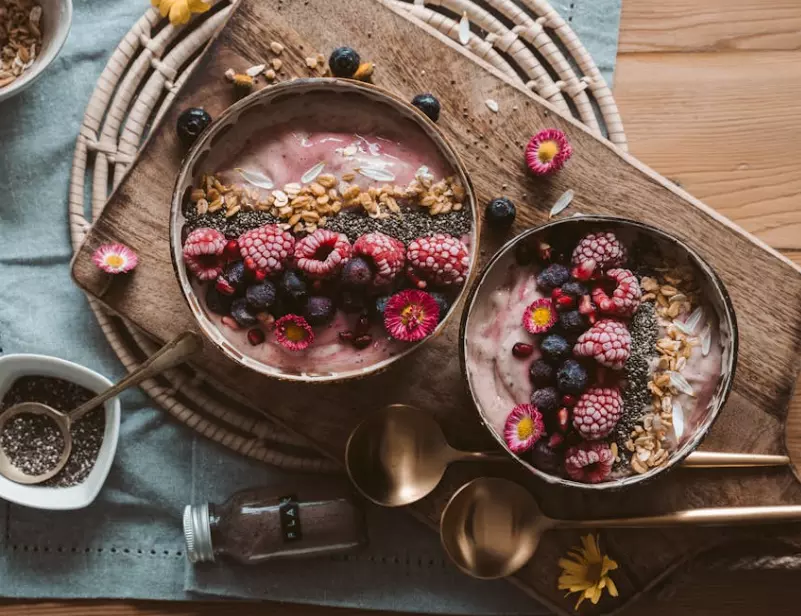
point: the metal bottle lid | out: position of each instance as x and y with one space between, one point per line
197 534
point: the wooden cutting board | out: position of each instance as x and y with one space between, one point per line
765 287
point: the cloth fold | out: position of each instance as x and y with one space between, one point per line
129 543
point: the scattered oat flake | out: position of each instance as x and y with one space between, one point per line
276 47
379 175
706 340
464 29
562 203
256 178
677 413
312 173
255 70
493 105
679 383
690 326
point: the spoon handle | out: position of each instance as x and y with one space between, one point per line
714 516
171 354
714 459
480 456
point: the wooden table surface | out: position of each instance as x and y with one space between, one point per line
710 95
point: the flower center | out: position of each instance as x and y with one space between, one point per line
115 261
541 316
295 333
525 428
547 151
594 572
412 316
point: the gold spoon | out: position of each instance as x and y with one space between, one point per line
491 527
172 354
399 454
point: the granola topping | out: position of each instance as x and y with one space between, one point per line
20 38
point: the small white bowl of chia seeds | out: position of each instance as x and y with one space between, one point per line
32 443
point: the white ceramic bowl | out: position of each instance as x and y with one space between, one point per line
13 367
56 23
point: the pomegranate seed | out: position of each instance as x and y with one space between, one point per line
522 349
362 342
557 293
544 251
231 251
564 302
555 440
415 279
563 418
224 287
346 336
255 336
259 275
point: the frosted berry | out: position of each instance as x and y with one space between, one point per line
597 251
261 296
385 253
322 254
608 342
545 458
555 275
571 378
191 123
234 273
546 399
294 287
554 348
202 253
597 412
625 298
541 373
573 321
439 259
357 273
241 313
589 462
218 303
266 248
319 310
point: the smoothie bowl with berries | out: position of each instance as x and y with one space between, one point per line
322 229
598 350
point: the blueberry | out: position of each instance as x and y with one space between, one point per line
573 321
546 400
357 273
344 62
294 287
319 310
555 348
217 302
574 288
442 301
241 314
428 104
571 378
191 123
500 213
555 275
381 305
235 274
261 296
351 302
541 373
545 458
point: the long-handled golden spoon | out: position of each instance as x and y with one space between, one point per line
491 527
399 454
172 354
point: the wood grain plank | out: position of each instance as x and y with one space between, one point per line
733 137
711 25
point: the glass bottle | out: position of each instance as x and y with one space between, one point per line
259 524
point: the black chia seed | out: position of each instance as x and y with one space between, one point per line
34 443
231 227
636 397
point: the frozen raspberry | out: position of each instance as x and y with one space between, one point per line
608 341
625 298
597 251
597 412
202 251
266 249
386 253
439 259
323 253
589 462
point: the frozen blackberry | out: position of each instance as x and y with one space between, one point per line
545 458
571 378
500 213
191 123
555 275
261 296
234 273
217 302
428 104
294 287
546 400
573 321
319 310
357 273
241 314
442 301
574 288
344 62
541 373
555 348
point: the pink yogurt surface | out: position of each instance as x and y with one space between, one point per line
284 153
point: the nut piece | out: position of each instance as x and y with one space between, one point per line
277 48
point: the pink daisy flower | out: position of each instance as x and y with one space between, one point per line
524 427
115 258
411 315
548 151
293 332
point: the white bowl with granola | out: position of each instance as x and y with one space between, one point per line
32 33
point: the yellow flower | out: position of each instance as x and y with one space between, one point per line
586 571
180 11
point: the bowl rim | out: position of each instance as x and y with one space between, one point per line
728 378
29 78
299 87
55 498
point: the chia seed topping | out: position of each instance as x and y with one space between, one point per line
636 396
34 443
231 227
